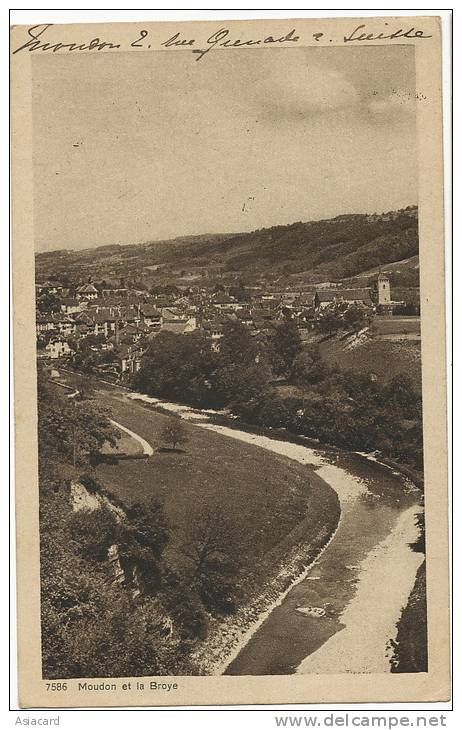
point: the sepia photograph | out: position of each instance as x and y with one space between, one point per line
228 359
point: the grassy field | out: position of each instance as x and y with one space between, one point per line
398 266
396 325
385 358
273 502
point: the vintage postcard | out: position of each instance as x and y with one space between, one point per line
229 352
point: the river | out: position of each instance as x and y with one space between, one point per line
360 582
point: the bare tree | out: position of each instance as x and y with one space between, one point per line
213 547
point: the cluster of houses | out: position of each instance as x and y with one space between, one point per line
120 323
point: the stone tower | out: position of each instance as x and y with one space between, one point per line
383 289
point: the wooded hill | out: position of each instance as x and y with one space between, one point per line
331 249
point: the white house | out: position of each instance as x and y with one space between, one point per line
87 291
57 348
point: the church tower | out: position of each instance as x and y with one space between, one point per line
383 289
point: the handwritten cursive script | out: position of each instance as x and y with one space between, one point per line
383 36
221 39
35 42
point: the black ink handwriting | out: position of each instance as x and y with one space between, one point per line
382 36
35 42
176 40
221 39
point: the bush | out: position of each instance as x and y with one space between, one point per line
218 586
273 411
308 368
93 532
142 569
147 525
188 612
90 483
90 628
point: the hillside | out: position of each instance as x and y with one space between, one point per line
113 261
331 249
385 358
396 267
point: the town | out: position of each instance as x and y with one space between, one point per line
111 327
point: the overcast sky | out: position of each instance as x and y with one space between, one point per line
143 146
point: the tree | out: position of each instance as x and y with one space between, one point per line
177 367
188 612
85 358
143 538
308 367
91 341
401 393
418 546
174 432
147 524
237 345
286 344
213 547
329 321
356 317
71 428
48 302
239 385
272 410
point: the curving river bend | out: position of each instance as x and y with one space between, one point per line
361 581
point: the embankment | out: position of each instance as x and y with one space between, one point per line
410 646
